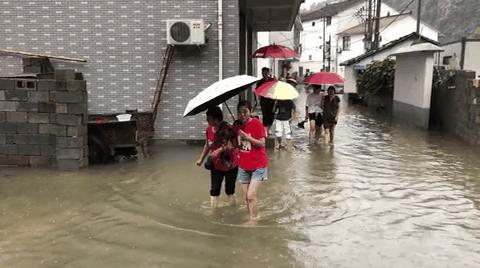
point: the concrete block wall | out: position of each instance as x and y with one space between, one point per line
43 122
457 108
124 42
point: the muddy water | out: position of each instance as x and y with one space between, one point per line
382 196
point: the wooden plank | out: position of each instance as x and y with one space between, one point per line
21 53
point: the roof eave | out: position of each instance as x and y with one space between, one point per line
385 47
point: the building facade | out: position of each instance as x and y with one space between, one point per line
463 54
124 43
356 65
350 42
336 32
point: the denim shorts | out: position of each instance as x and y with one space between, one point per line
245 176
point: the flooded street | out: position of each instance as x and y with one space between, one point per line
382 196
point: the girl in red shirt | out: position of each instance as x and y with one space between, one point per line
221 169
253 161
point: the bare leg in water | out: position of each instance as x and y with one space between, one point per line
250 192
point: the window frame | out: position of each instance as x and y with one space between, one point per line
346 43
329 20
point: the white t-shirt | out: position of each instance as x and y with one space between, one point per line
313 103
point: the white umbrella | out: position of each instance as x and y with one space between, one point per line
218 93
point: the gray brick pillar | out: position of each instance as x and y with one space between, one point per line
43 122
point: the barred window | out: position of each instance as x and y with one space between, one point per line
346 43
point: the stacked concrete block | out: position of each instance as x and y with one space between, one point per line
43 121
458 108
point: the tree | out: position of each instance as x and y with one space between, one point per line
378 79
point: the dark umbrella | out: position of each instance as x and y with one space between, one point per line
302 124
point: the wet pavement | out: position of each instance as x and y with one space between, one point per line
382 196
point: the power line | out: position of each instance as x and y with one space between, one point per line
403 10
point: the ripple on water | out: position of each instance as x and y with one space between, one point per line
381 196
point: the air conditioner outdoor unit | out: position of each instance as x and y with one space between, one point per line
185 32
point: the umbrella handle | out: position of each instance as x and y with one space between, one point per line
230 111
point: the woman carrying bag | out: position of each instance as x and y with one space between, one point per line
220 154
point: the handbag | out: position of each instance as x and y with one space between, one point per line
208 163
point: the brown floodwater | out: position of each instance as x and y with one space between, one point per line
382 196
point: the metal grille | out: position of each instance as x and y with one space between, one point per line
180 32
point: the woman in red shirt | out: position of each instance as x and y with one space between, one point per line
253 161
218 148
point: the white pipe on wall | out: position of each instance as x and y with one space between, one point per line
220 39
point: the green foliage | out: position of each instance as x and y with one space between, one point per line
378 78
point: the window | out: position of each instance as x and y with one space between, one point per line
346 43
329 20
313 23
446 60
309 57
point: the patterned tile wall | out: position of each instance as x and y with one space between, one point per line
124 41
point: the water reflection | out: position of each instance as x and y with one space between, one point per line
382 196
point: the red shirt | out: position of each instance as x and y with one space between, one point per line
210 132
226 165
253 157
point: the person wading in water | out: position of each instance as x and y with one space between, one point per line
330 106
214 148
253 161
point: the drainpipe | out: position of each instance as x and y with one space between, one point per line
220 49
220 39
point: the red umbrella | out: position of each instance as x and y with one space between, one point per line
276 52
324 78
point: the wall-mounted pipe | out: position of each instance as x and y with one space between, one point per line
220 39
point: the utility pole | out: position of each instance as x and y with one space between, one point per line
324 42
368 34
376 42
329 52
419 15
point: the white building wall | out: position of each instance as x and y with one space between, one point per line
282 38
404 26
356 49
350 85
472 57
401 27
377 57
311 40
428 78
454 51
263 39
413 79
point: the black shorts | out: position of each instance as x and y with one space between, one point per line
317 117
216 179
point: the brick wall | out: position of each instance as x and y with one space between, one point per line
42 121
456 106
124 42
